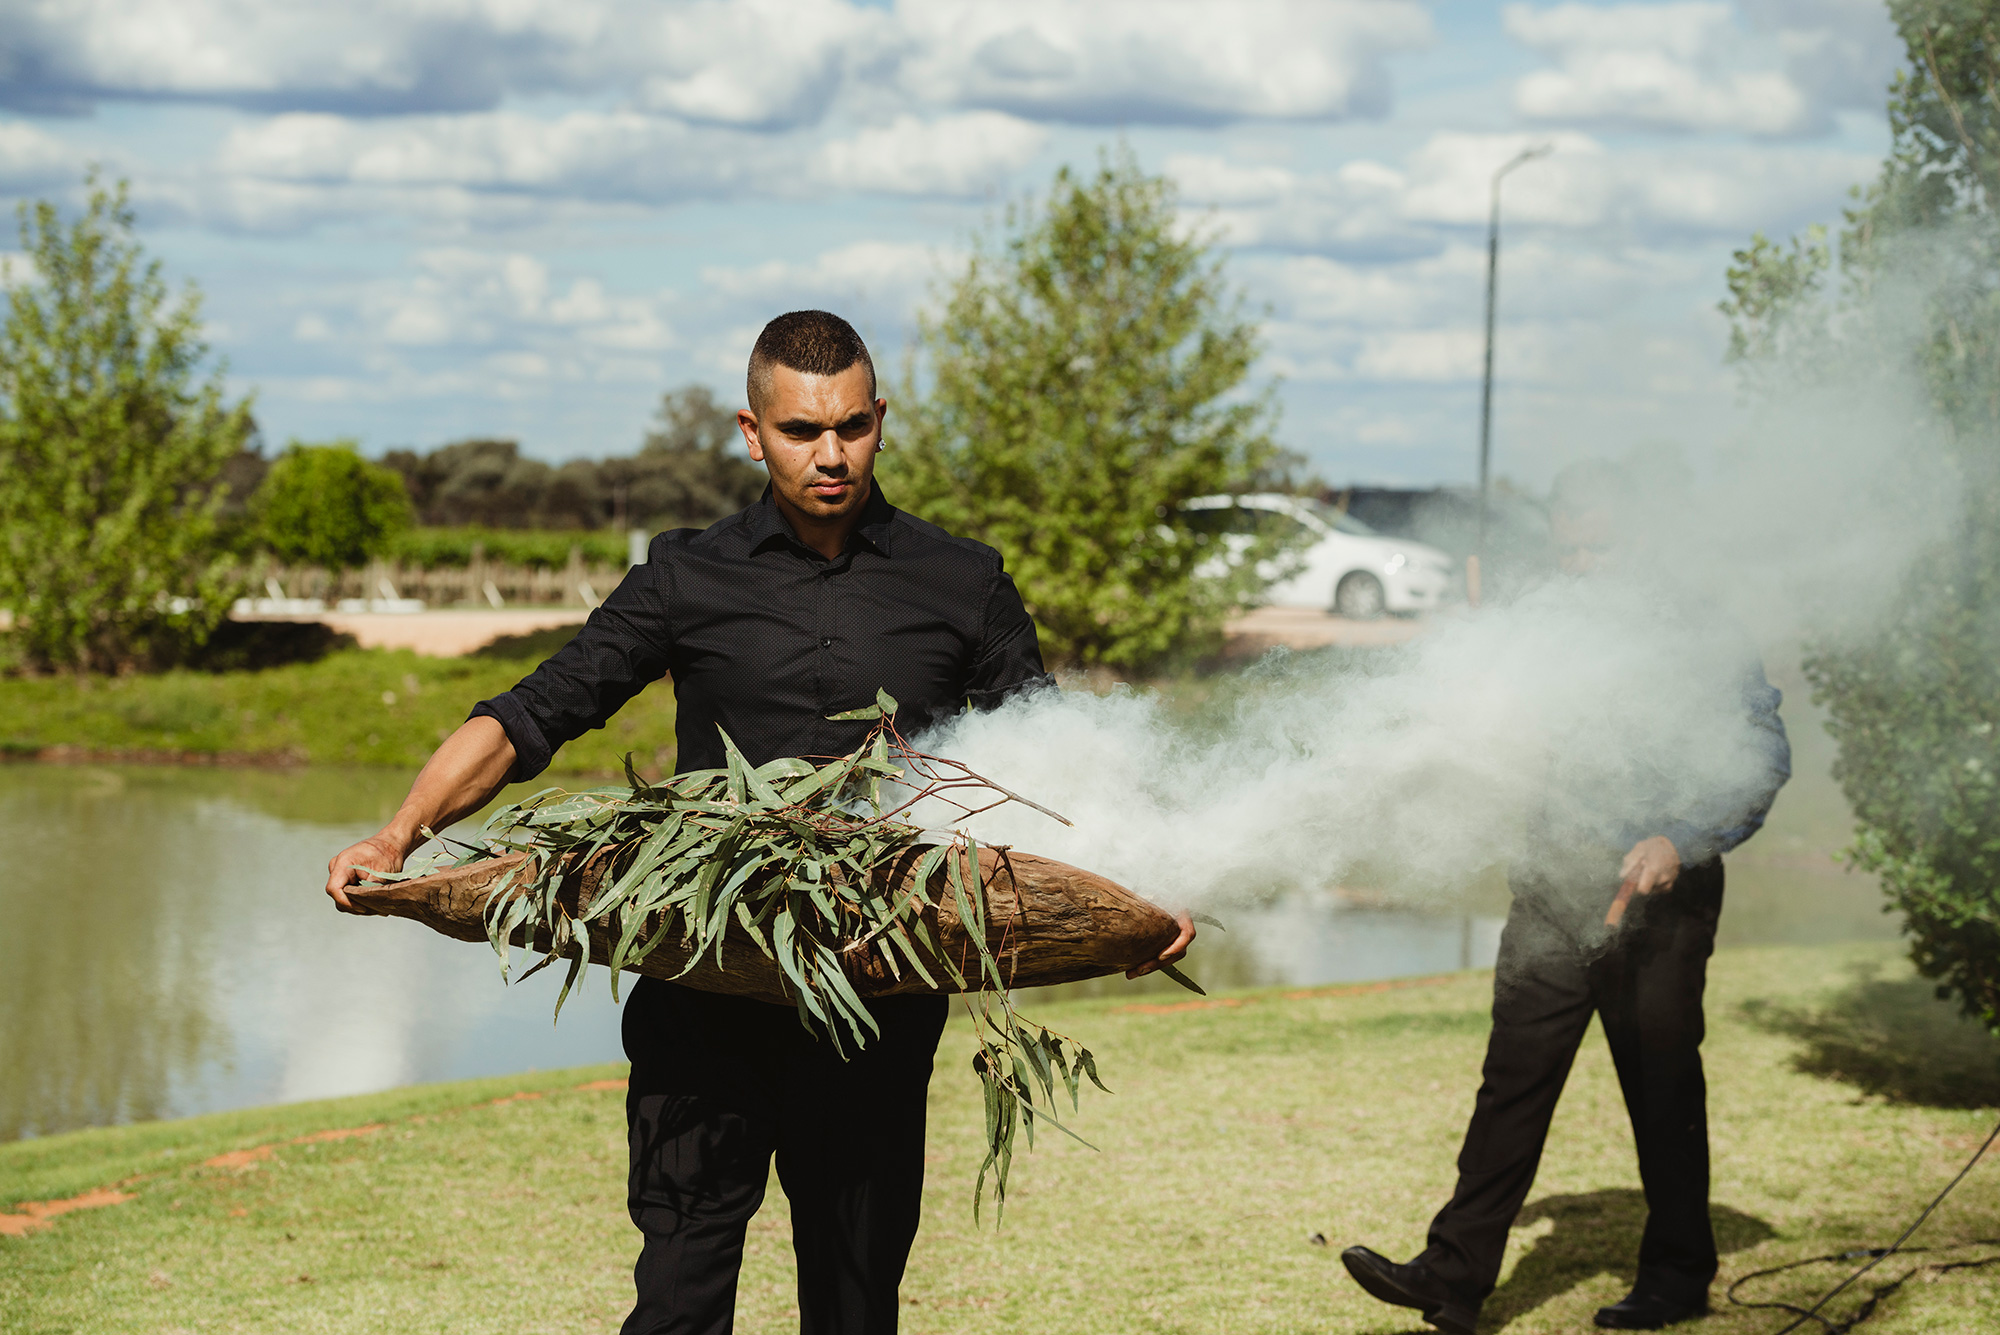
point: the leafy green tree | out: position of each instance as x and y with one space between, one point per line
487 482
325 505
692 469
1915 706
111 450
1084 379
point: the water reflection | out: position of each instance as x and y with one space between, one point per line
102 1011
170 952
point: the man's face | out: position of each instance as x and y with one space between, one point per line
817 434
1584 538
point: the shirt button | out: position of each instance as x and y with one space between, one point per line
826 644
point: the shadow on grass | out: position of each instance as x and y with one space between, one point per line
533 647
1893 1038
251 646
1594 1234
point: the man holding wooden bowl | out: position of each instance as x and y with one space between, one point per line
804 605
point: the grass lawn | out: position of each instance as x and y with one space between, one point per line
1240 1127
351 707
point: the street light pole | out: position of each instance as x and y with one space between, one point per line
1492 287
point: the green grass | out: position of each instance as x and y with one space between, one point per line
1237 1131
352 707
376 707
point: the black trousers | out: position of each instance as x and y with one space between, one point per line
720 1085
1556 968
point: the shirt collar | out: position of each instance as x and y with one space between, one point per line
767 525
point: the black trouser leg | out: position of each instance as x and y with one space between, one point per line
701 1120
1651 1007
851 1159
1541 1008
687 1270
719 1084
1647 988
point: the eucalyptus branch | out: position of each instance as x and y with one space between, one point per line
789 854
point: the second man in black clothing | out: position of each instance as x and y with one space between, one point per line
804 605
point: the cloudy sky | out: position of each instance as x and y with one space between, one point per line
419 220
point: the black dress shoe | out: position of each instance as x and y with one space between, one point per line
1410 1285
1648 1311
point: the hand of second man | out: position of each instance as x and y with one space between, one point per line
1650 868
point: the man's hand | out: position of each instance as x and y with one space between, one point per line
460 777
1173 953
1651 867
378 852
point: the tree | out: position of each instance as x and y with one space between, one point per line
693 467
325 505
1915 706
1083 382
111 451
488 482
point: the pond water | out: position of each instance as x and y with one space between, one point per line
170 950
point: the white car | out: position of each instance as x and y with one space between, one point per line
1338 562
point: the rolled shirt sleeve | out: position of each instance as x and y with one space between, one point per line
1742 813
621 650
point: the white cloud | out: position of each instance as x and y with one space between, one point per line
1841 52
889 273
1189 61
767 64
1373 211
1731 189
602 155
16 269
1417 321
1421 354
277 167
1688 66
1660 65
954 155
740 62
1205 179
461 296
31 158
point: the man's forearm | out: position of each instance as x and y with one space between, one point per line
461 776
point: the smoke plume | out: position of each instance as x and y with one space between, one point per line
1601 702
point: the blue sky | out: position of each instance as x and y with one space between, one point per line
420 220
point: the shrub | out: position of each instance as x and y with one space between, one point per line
112 452
325 505
1083 382
1916 705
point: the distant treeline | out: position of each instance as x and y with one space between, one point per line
690 469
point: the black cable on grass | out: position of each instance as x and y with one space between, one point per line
1875 1296
1876 1256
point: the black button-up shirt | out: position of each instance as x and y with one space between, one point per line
765 637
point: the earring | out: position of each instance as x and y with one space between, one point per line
881 445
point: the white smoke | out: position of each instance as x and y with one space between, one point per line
1588 701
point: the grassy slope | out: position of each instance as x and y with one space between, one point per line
353 707
1237 1131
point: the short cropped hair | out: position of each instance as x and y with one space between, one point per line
815 342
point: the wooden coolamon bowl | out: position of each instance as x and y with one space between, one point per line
1047 922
